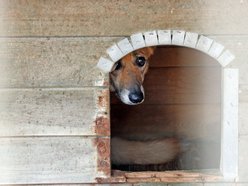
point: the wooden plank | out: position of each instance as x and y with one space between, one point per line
182 178
243 93
169 174
188 121
115 183
182 86
243 115
229 148
224 184
243 159
54 62
174 56
29 112
71 62
77 18
243 118
33 160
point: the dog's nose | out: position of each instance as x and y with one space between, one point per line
136 97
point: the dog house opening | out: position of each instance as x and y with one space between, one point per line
181 109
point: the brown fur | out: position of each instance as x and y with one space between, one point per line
130 73
139 148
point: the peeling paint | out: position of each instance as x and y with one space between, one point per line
102 126
103 156
103 99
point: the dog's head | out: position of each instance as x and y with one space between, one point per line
128 75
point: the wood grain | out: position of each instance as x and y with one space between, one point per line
182 86
243 114
243 159
91 18
184 121
48 160
32 112
175 56
55 62
70 62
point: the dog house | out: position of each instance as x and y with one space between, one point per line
191 93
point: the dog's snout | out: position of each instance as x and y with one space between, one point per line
136 97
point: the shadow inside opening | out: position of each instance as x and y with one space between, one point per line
183 101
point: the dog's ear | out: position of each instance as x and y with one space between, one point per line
147 51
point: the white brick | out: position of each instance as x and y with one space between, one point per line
105 64
204 43
114 53
137 41
151 38
125 46
190 39
216 50
164 37
225 58
178 37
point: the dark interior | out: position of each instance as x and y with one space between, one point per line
183 94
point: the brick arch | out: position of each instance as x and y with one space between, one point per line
164 37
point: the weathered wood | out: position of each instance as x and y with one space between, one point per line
243 114
224 184
186 184
29 112
57 62
77 18
89 184
243 118
164 177
70 62
188 121
243 158
49 160
171 174
182 86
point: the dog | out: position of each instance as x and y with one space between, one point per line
126 81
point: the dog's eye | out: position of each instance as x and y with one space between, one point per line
118 65
140 61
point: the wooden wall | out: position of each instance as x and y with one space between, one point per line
48 53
